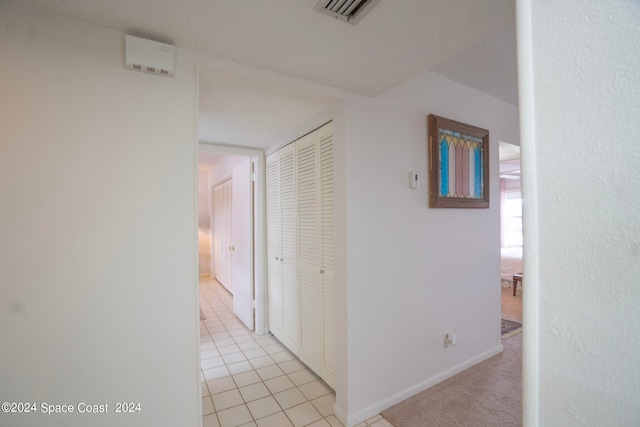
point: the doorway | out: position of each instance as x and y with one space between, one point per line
250 117
230 216
511 237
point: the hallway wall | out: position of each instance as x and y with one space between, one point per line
204 224
414 272
580 74
94 164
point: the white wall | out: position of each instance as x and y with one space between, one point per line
506 185
512 184
223 169
204 224
97 224
414 273
580 92
109 306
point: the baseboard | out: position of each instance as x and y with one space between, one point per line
373 410
339 413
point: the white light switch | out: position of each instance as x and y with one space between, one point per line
414 180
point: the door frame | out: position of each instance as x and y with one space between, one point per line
260 240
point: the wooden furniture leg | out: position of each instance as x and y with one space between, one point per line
516 278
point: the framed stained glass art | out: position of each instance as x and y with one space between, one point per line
458 164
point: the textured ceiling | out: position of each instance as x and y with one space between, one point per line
247 112
468 41
397 40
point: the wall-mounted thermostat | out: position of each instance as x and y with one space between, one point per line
414 181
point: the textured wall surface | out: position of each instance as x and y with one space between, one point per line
584 214
97 272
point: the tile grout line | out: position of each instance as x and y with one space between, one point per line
224 318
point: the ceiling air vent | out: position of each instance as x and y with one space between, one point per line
347 10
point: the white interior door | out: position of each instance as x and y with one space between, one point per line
242 243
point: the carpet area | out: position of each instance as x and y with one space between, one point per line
487 394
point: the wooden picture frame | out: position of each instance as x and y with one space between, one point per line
458 164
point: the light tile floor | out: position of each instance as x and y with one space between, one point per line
252 380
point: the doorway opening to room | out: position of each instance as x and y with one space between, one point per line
227 226
511 238
242 120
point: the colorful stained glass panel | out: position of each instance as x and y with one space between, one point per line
458 164
461 167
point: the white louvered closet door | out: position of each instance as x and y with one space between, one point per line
300 234
288 258
274 247
307 160
327 264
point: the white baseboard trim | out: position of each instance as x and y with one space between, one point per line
373 410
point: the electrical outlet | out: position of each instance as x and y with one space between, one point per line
450 339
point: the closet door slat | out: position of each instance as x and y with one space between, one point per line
274 247
327 237
291 321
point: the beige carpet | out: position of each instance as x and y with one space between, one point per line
511 306
488 394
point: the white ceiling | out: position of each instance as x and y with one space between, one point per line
508 151
207 160
247 112
468 41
